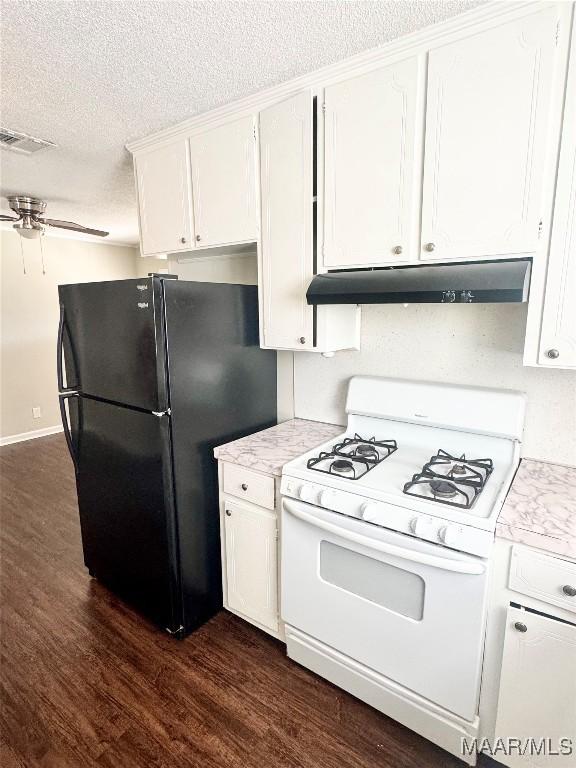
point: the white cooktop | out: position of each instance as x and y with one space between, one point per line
424 418
416 445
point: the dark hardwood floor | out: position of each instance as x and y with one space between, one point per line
87 682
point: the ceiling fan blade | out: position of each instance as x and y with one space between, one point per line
3 217
75 227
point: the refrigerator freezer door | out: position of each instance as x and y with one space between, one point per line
113 342
125 496
222 387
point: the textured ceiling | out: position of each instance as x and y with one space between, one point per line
94 74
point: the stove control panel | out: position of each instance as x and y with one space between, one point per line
309 493
397 518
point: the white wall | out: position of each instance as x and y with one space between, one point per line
242 269
462 344
29 318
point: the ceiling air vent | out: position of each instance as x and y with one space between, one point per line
22 142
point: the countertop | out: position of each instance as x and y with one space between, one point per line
268 450
540 509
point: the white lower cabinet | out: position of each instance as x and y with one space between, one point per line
251 562
528 694
249 540
537 703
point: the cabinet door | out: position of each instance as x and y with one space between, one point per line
286 169
486 140
224 184
372 123
164 200
537 686
252 563
558 337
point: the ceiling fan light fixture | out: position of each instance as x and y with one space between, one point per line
28 228
30 222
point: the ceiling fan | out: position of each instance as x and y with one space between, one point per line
30 223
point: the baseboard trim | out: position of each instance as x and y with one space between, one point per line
9 439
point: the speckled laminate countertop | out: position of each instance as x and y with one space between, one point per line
540 509
271 448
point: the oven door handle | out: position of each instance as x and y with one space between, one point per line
456 566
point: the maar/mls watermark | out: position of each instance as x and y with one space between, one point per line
511 746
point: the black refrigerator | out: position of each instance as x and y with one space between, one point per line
153 374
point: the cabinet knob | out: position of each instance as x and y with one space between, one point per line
198 238
302 339
182 240
569 590
244 486
229 513
552 354
520 626
429 247
397 249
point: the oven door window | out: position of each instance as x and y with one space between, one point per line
381 583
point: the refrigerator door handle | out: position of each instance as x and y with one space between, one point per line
159 414
66 425
59 356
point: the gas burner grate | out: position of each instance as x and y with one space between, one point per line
353 457
452 480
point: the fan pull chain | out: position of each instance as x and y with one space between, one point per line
22 255
42 254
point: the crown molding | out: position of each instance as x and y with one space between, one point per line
435 35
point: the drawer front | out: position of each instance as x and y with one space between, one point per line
543 577
249 485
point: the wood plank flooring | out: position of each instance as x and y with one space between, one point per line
87 682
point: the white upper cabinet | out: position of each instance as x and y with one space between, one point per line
373 125
486 141
164 199
558 335
286 175
224 183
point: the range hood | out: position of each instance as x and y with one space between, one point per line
468 283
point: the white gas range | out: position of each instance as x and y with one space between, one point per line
386 539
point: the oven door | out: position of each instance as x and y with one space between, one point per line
410 610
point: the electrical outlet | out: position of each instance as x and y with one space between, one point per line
37 412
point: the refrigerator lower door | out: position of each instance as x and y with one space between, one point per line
125 497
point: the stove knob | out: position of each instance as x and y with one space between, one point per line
308 493
449 535
327 499
368 511
417 526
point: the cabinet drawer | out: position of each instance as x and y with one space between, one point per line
546 578
247 484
